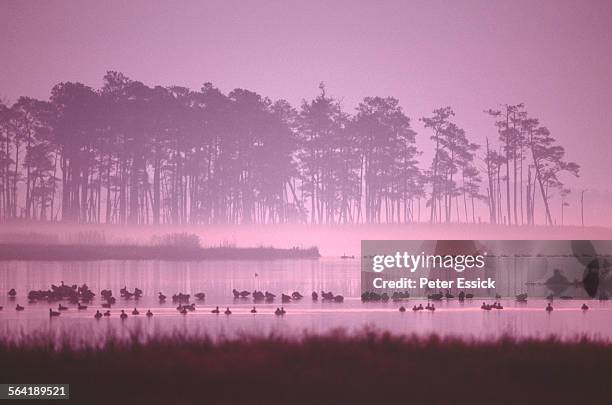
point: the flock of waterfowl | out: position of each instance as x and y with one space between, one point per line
82 295
462 296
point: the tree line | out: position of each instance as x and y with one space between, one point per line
128 153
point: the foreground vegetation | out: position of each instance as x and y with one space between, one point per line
336 368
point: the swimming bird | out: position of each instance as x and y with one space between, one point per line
149 313
432 307
183 311
584 307
278 312
19 308
400 295
549 307
227 311
327 295
283 312
461 296
12 293
521 297
435 296
107 313
161 297
62 308
180 297
123 315
53 313
98 314
135 312
402 309
338 298
253 311
81 307
215 311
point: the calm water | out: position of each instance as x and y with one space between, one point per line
218 278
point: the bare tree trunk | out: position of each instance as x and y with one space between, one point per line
543 192
582 207
156 190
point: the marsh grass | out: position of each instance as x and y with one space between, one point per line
338 368
87 251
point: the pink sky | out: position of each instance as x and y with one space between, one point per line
555 56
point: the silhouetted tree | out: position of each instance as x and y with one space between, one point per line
388 171
133 154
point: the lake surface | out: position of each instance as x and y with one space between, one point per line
218 278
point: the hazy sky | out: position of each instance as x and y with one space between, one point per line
555 56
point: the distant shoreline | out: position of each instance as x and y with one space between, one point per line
66 252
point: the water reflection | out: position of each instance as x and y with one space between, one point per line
218 278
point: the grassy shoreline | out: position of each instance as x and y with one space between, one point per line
65 252
336 368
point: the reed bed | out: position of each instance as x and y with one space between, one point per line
340 368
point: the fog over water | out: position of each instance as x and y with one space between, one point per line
331 240
299 124
218 278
